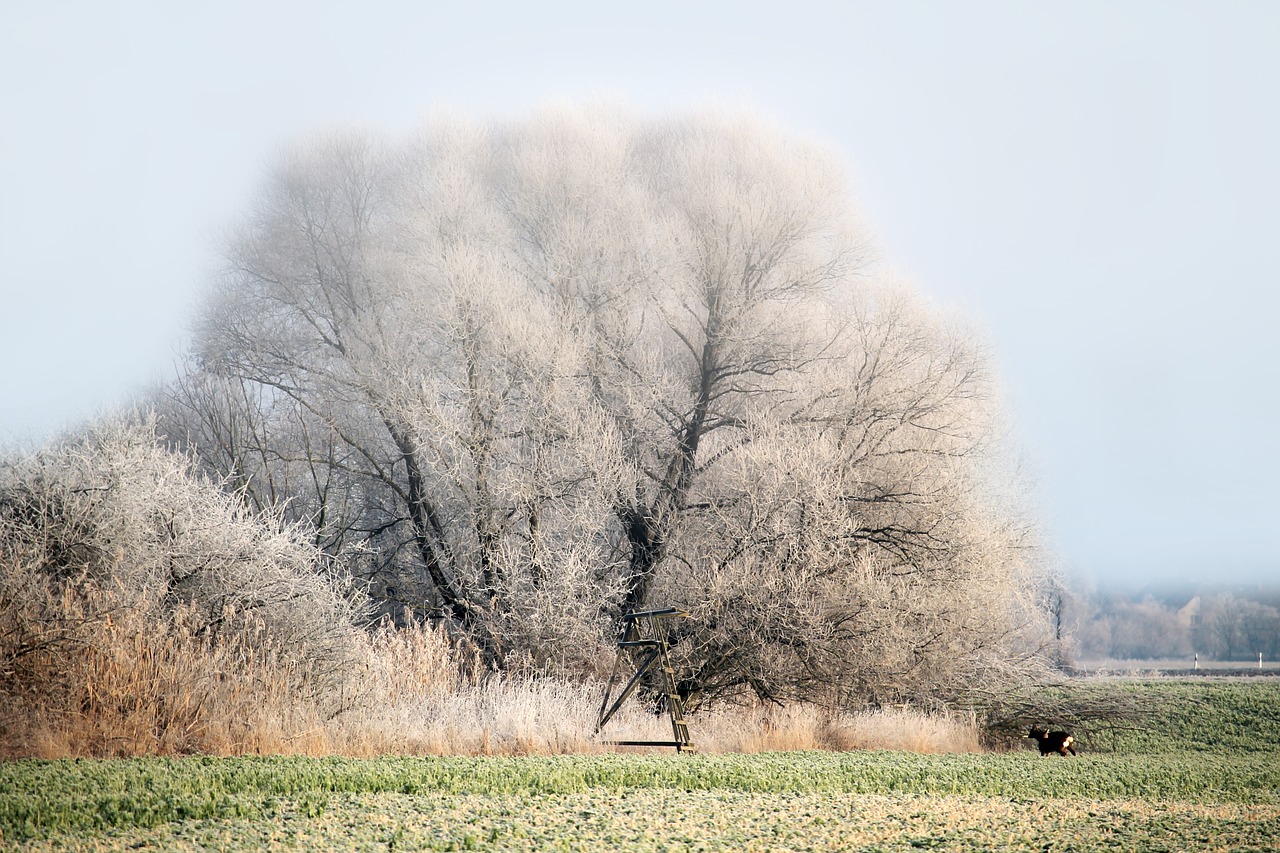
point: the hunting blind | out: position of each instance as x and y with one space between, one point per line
644 645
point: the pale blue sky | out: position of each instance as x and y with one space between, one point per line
1096 183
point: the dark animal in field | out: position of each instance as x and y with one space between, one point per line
1059 742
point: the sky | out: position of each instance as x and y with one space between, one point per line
1095 184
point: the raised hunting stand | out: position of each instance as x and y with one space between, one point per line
648 654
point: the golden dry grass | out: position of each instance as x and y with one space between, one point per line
114 685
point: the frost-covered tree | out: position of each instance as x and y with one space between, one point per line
530 375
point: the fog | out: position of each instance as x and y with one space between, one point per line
1094 185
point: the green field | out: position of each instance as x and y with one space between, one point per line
1203 774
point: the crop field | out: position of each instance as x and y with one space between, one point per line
1202 774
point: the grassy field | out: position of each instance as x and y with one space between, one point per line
1203 774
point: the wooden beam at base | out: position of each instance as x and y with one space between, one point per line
680 746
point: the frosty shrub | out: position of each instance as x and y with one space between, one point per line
129 586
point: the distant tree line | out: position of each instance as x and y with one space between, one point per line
1214 622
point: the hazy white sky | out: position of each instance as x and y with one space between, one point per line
1097 183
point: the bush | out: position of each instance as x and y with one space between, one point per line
139 602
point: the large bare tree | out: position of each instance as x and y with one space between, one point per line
531 375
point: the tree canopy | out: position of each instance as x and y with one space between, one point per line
524 376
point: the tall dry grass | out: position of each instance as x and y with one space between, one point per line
107 684
84 674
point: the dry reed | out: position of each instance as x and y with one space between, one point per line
110 686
